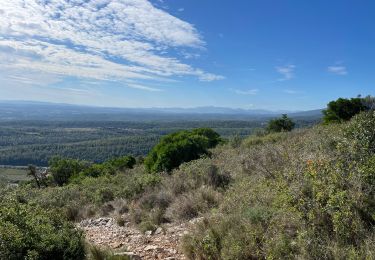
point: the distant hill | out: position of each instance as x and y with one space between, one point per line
30 110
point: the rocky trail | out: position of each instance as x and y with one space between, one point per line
164 243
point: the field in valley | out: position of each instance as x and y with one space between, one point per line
13 175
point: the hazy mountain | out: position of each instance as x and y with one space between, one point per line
30 110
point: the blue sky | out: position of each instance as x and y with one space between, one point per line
285 54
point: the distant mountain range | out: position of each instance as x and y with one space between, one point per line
30 110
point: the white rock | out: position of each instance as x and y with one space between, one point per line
150 247
158 231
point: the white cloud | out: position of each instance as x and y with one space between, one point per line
338 70
286 71
21 89
290 91
27 77
138 86
203 76
96 39
181 9
246 92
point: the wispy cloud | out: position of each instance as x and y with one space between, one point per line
338 70
98 39
286 71
138 86
246 92
290 91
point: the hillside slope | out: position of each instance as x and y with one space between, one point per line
304 195
307 194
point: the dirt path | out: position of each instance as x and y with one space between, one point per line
161 244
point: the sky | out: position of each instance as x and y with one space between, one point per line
251 54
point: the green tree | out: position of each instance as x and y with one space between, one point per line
343 109
125 162
32 171
179 147
283 124
63 169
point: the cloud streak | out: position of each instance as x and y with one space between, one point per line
138 86
338 70
246 92
290 91
121 40
286 71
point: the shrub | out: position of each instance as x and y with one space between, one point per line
147 225
204 244
235 141
359 136
106 209
190 191
98 253
29 232
104 195
194 203
97 170
307 195
73 212
120 221
263 139
160 199
121 206
180 147
216 179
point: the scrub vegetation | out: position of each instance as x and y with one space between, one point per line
291 194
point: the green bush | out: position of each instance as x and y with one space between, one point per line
29 232
359 137
179 147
